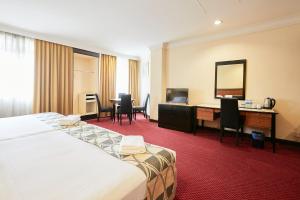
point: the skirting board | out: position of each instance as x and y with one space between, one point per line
153 120
87 117
280 141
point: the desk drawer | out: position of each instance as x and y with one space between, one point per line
207 114
258 120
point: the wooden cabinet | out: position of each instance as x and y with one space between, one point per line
85 81
177 117
87 104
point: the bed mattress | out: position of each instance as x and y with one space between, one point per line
56 166
27 125
14 127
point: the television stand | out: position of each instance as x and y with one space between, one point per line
180 117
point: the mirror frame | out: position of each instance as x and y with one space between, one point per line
232 62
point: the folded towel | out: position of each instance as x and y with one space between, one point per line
69 120
132 145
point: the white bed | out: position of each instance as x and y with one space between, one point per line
22 126
55 165
40 159
28 125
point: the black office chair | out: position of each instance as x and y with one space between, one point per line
103 109
230 117
141 109
125 108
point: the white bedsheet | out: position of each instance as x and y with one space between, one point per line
21 126
58 166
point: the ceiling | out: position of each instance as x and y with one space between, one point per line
131 26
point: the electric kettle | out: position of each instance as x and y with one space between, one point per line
269 103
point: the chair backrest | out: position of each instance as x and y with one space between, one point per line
126 104
146 101
98 103
121 94
230 115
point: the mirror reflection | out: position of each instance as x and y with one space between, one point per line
230 79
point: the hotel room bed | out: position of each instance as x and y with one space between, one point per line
26 125
56 166
158 163
47 161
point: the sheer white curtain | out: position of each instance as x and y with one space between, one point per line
16 74
122 75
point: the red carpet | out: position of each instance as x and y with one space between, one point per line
208 169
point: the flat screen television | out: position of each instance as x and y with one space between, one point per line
177 95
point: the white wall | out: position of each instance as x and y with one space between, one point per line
155 82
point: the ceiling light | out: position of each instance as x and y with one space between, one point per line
218 22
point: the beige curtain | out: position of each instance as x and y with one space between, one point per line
134 81
107 79
53 81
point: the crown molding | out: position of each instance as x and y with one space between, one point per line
63 41
163 45
274 24
156 46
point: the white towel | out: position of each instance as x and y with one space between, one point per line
132 145
69 120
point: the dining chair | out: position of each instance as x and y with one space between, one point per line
141 109
125 108
103 109
231 118
121 94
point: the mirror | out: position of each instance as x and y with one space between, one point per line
230 79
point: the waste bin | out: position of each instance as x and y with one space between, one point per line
258 139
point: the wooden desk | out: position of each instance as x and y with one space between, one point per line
264 119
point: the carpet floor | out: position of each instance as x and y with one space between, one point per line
208 169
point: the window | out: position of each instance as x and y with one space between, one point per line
16 74
122 76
